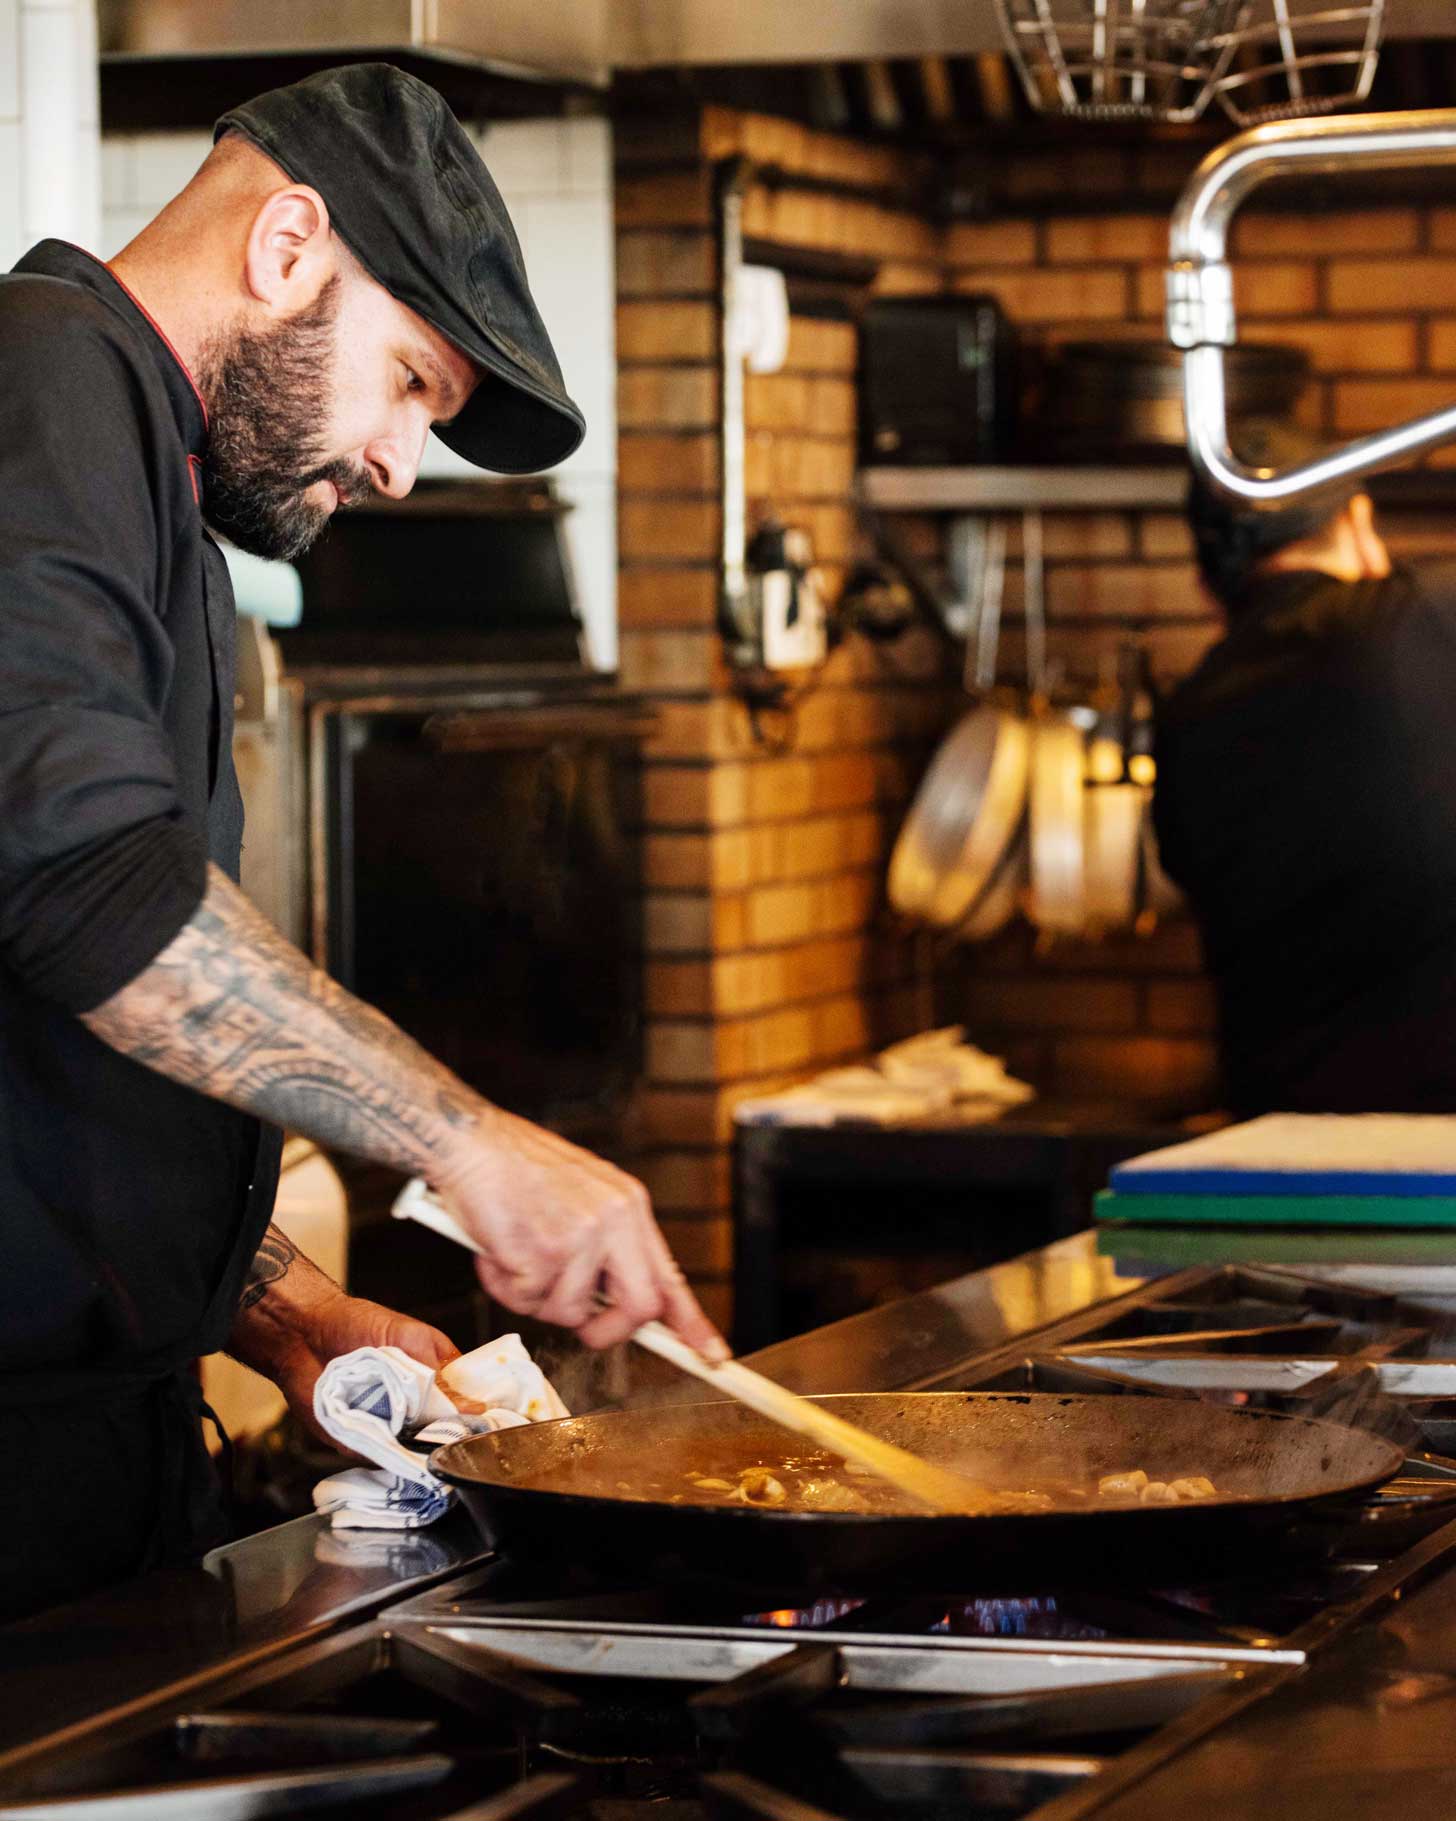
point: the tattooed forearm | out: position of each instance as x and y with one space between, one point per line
270 1263
233 1010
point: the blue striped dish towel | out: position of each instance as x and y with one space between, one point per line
392 1409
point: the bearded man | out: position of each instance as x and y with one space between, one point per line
340 276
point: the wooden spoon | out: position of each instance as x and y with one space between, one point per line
936 1488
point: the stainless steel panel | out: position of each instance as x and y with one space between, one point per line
939 1665
1265 1372
923 1340
246 1797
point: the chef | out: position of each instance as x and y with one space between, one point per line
1306 802
340 276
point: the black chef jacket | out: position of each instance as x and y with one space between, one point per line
130 1206
1306 802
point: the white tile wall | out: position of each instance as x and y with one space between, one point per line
587 155
49 93
12 241
140 174
85 57
526 157
570 265
146 170
118 171
118 226
591 544
556 178
166 163
9 60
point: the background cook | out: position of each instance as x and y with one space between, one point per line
1306 803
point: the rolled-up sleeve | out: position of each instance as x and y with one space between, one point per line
98 870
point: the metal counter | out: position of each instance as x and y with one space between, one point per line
1356 1732
241 1603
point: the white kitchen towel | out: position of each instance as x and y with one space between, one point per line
368 1498
935 1076
371 1399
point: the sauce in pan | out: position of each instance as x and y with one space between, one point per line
820 1481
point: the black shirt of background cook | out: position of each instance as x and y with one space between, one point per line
1306 802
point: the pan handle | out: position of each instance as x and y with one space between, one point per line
1034 605
988 616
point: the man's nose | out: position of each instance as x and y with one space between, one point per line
393 461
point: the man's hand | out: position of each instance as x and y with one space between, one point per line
232 1010
293 1320
561 1229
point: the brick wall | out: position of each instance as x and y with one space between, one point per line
770 951
767 954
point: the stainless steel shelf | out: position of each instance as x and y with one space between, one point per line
1160 487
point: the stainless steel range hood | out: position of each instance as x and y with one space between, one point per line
180 63
573 40
509 37
585 40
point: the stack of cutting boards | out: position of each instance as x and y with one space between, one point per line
1297 1169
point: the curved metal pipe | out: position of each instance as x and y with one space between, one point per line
1200 312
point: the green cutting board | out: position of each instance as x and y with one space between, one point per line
1279 1210
1138 1250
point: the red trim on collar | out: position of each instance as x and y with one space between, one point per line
194 474
167 343
162 334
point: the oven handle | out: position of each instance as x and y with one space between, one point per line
1200 308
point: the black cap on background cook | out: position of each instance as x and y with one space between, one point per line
1232 536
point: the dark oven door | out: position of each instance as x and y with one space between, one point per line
476 875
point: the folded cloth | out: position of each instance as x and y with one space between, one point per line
368 1498
933 1076
370 1399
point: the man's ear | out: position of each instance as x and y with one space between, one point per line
1374 557
289 255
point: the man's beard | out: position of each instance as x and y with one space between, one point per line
269 392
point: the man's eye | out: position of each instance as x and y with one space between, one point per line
414 382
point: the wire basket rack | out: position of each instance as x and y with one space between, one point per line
1121 59
1291 59
1167 60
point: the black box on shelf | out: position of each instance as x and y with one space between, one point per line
938 382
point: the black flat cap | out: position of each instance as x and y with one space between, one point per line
413 201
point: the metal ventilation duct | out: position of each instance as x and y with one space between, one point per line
572 40
882 66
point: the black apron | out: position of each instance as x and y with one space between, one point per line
107 1473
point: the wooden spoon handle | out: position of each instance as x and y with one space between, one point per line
934 1487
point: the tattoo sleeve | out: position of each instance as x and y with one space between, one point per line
232 1009
270 1263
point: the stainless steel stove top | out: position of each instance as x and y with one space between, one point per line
506 1691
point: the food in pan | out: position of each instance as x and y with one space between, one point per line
822 1482
1136 1485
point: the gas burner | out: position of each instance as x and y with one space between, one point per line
816 1615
